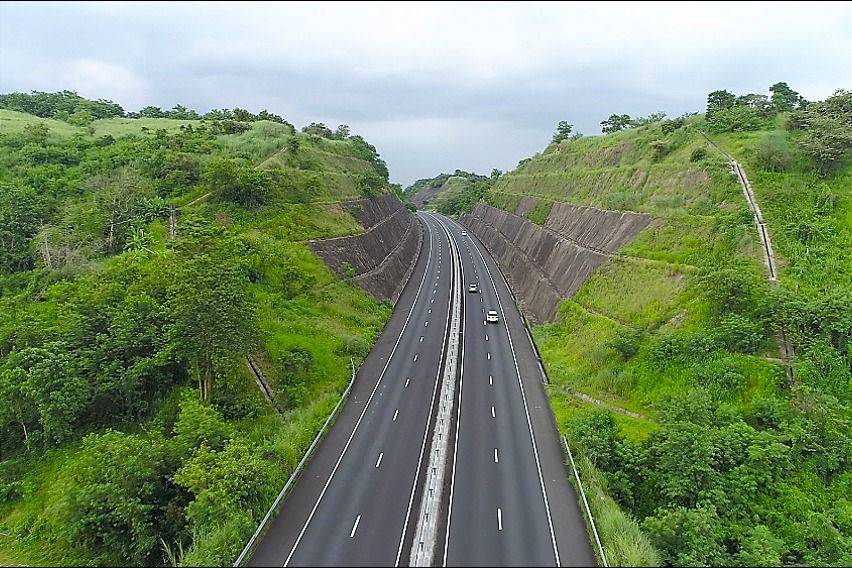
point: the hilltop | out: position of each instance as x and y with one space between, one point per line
146 259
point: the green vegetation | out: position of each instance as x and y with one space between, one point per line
731 461
450 194
142 261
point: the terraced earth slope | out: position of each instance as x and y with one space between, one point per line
637 256
143 261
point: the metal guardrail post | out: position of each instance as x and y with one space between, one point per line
296 472
585 501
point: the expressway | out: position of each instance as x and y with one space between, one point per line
506 498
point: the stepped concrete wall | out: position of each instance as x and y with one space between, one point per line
549 263
382 257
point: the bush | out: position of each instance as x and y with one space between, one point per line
226 484
736 119
659 150
626 342
119 496
740 334
773 152
236 181
698 154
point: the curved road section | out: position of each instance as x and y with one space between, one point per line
505 497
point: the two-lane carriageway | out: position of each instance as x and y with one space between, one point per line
353 503
510 502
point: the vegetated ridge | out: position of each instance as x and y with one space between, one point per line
144 257
664 368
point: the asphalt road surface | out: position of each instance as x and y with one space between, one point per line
510 502
506 499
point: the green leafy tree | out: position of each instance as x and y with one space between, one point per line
36 133
687 537
827 127
236 181
616 122
229 487
119 496
785 99
563 131
212 325
719 100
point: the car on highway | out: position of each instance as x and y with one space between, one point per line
473 288
492 316
464 233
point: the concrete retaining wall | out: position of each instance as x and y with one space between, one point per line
546 264
381 258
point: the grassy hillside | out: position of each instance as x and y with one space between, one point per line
131 431
711 453
449 194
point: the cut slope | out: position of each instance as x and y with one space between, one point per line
677 333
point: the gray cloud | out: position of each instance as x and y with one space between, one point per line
434 86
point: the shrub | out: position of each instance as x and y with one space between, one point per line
773 152
626 342
698 154
119 496
236 181
736 119
659 150
740 333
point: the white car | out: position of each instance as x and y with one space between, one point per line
491 317
473 288
464 233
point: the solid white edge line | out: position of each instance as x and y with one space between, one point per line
425 434
526 408
366 406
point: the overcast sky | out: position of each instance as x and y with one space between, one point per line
434 86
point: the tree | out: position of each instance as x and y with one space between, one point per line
119 496
36 134
342 132
719 100
616 122
828 130
785 99
563 131
760 103
318 129
234 481
236 181
212 320
371 185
